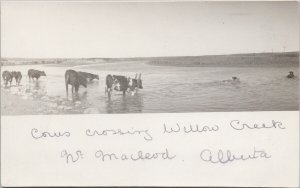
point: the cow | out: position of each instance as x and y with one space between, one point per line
75 79
35 74
123 84
18 76
89 76
7 77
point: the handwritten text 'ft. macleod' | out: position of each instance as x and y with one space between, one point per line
212 156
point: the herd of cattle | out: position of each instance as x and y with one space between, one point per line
77 78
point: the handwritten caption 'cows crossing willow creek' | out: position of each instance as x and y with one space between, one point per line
207 155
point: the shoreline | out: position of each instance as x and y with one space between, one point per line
9 102
15 101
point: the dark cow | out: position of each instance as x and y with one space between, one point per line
7 77
123 84
291 75
75 79
35 74
18 76
89 76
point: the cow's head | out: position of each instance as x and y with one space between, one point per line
135 83
97 77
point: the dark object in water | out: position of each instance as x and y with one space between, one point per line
234 78
291 75
89 76
7 77
75 79
123 84
35 74
18 76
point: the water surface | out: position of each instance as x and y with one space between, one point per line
175 89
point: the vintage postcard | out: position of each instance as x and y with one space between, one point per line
110 93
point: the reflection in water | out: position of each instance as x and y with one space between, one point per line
36 87
79 97
125 104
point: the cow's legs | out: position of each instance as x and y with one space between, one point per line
67 90
109 92
124 93
76 89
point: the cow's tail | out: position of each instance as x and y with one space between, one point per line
67 77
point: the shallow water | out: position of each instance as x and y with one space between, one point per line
171 89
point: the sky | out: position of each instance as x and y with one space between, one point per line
43 29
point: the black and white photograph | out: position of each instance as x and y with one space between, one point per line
149 94
73 57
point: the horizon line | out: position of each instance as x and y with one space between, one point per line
148 56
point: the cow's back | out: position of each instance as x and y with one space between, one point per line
30 72
18 75
6 75
109 81
74 78
70 77
88 75
33 73
123 81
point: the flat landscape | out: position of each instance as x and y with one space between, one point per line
170 84
234 60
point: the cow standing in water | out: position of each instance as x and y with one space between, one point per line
18 76
75 79
123 84
291 75
7 77
35 74
89 76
